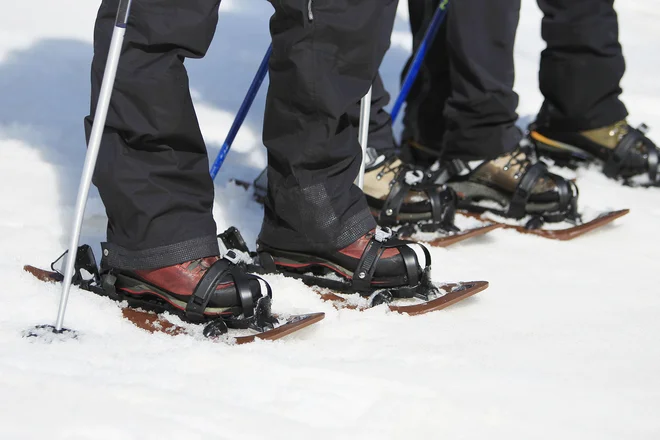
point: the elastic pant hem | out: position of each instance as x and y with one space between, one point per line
117 257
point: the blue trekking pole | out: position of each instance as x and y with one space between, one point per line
411 76
416 64
242 112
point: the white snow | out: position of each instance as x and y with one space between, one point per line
564 344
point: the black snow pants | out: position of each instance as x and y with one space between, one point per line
326 54
153 170
463 104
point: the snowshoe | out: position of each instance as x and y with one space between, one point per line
513 186
398 194
517 191
402 198
213 291
378 267
624 152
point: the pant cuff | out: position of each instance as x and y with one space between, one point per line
355 227
117 257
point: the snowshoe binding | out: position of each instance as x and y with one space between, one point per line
624 152
380 268
213 291
517 191
400 197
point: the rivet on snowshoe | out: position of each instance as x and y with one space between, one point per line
215 328
389 212
361 275
105 252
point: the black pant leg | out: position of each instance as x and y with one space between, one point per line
464 105
582 66
326 54
423 119
152 170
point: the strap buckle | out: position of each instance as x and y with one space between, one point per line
414 177
382 234
232 256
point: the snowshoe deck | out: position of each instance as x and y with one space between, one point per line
557 234
457 237
454 293
153 322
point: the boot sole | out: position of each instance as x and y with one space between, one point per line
471 192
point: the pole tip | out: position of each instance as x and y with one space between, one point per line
48 334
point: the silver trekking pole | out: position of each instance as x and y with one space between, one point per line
363 136
93 151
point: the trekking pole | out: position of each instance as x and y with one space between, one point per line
363 133
93 151
418 59
242 113
411 76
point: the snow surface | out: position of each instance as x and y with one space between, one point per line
564 344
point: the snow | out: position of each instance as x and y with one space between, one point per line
562 345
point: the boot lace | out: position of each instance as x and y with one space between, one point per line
412 176
519 160
389 168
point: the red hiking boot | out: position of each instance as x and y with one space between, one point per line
202 288
374 261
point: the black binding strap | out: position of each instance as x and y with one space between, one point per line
366 267
616 160
394 201
209 282
436 204
517 206
398 192
242 285
410 261
564 192
205 288
622 151
443 205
